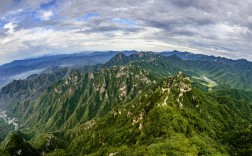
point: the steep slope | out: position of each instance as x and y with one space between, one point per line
83 96
119 59
80 97
168 117
165 66
29 88
161 65
5 128
171 117
224 74
235 94
23 90
122 59
149 114
236 74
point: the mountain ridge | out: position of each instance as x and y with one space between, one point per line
148 100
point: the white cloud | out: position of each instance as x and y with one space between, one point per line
249 19
210 27
37 41
46 15
10 26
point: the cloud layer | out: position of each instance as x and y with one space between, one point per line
32 28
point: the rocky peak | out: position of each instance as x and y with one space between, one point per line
118 59
142 54
119 56
176 86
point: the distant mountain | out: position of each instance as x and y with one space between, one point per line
20 69
122 59
240 64
192 56
135 103
236 74
81 87
30 88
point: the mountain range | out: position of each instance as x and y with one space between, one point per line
21 69
128 103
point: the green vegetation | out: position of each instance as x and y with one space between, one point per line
136 108
144 126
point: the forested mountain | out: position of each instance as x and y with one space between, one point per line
135 104
30 88
21 69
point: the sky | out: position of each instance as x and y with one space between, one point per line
32 28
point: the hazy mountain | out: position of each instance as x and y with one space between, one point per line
29 88
21 69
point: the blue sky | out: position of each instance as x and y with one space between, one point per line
31 28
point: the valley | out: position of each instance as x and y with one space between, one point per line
132 104
125 78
